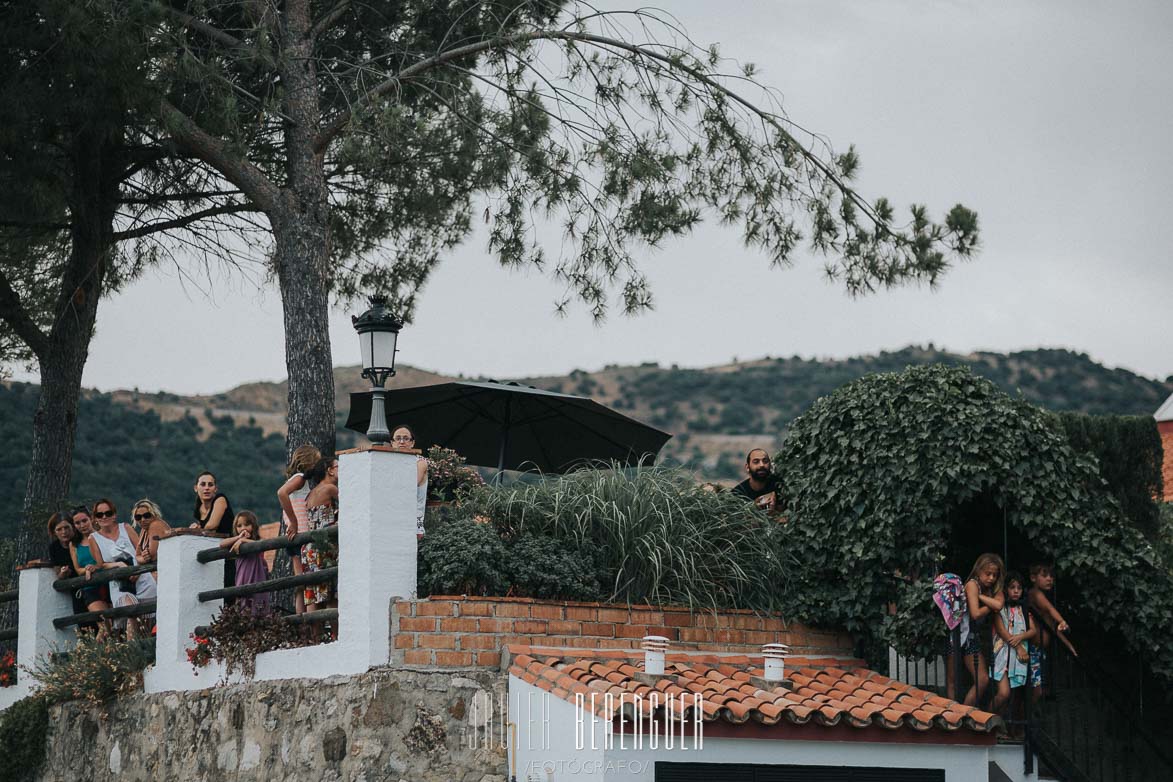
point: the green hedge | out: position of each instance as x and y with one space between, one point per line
1128 450
23 729
874 471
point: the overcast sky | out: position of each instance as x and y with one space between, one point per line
1051 119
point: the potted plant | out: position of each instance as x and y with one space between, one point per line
449 476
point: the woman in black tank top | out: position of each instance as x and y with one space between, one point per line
213 513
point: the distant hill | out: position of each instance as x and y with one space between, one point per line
132 444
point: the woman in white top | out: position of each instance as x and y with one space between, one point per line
292 496
114 545
403 439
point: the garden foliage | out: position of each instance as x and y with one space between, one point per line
23 728
94 670
1128 449
875 471
449 475
236 636
645 535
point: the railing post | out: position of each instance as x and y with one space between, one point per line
955 643
376 547
37 605
178 612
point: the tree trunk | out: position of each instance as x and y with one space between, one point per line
301 246
302 238
92 203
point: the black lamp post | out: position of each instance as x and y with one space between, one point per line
378 330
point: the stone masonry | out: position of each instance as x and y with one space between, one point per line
411 721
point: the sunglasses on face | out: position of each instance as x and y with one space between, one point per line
145 516
104 514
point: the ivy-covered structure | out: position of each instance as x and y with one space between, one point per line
897 477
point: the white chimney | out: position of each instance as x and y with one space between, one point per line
775 658
654 647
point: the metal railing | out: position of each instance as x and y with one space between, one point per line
323 576
104 576
1089 728
9 596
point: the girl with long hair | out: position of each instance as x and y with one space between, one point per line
983 598
250 568
292 496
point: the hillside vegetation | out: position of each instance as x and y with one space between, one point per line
132 444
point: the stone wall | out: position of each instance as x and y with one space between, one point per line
384 725
411 721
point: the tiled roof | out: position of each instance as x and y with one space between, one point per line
826 692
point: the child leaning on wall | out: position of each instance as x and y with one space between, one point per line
1013 637
1042 581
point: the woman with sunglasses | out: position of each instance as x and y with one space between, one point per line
149 518
115 545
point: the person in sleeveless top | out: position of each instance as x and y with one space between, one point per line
983 598
403 439
213 513
96 598
149 517
321 512
115 545
292 496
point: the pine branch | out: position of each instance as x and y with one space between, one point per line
17 317
183 222
373 95
239 171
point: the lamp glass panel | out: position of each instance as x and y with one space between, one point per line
364 343
382 350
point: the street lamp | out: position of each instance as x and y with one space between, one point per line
378 330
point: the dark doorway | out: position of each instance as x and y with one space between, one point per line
741 772
980 524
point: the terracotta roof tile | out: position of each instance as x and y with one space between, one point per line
840 692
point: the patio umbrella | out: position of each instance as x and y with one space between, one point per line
512 426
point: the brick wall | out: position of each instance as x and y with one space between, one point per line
473 631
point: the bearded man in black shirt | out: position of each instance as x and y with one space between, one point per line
761 486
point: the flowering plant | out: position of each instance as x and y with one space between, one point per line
7 669
200 654
448 475
236 636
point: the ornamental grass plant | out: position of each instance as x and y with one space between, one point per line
650 535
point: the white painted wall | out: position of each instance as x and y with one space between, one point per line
1009 759
38 605
961 763
546 748
181 577
557 756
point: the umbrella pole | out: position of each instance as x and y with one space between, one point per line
504 441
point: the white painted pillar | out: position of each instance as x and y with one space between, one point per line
181 577
376 562
38 605
377 546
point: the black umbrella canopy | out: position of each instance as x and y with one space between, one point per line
513 427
